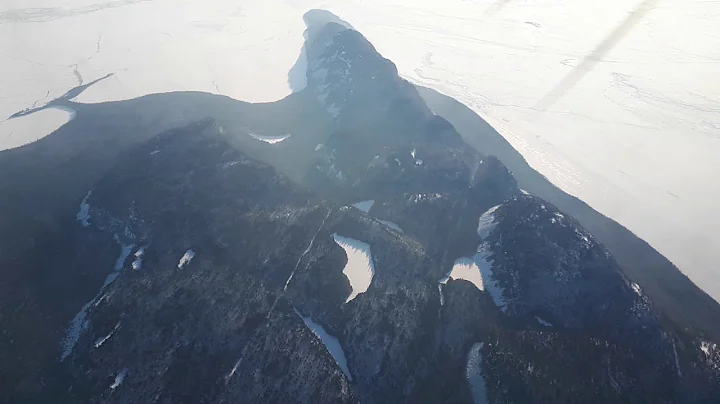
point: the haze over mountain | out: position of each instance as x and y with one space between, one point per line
343 244
633 137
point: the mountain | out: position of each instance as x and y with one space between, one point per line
342 245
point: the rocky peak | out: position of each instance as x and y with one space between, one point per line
346 73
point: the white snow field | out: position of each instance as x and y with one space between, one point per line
359 268
616 102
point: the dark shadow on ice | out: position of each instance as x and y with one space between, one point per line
58 102
314 21
589 62
671 289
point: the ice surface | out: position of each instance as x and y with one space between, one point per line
27 129
364 206
186 258
360 268
270 139
331 343
473 373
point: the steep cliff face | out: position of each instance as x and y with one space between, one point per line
369 256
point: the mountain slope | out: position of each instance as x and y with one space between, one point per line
356 250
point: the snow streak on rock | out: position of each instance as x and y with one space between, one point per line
102 340
486 223
483 261
359 268
331 343
119 379
270 139
473 373
83 215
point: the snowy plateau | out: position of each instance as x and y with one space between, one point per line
615 102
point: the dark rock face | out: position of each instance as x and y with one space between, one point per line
203 265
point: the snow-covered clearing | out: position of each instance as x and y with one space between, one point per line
467 269
478 271
364 206
331 343
615 102
359 268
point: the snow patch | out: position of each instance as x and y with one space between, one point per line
331 343
364 206
83 215
186 258
473 373
359 268
419 162
137 264
636 288
486 223
524 192
543 322
706 347
319 147
119 379
270 139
